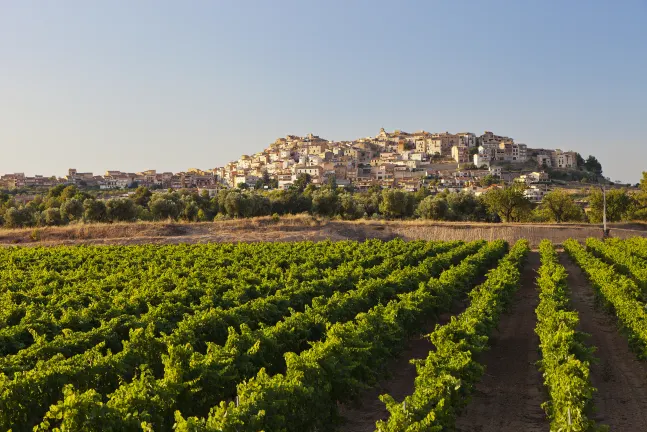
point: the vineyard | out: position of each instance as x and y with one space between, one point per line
317 336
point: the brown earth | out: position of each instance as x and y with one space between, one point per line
364 413
621 379
299 228
509 396
362 416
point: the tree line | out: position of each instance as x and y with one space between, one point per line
65 204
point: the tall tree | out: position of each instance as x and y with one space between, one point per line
561 207
435 208
593 165
620 205
325 202
396 203
121 210
509 203
94 210
71 210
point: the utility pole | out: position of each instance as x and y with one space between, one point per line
605 231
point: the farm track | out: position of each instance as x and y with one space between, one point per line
509 396
621 379
362 416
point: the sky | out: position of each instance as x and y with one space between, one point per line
168 85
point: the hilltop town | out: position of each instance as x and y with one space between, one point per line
397 159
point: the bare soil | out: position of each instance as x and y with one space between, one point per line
621 379
509 396
362 416
364 413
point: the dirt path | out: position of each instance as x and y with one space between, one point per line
509 396
362 416
621 379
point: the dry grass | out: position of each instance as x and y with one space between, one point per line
304 227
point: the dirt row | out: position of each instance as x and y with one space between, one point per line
510 394
621 379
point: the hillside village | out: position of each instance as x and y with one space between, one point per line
454 162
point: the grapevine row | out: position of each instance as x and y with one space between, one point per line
29 391
618 291
565 357
447 376
166 315
331 371
622 260
245 353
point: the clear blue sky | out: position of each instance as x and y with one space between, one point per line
133 85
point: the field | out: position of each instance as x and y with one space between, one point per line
306 228
325 336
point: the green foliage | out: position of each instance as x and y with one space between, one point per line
620 205
18 217
142 196
560 206
447 376
69 192
72 209
621 257
435 208
165 206
52 216
142 331
619 293
396 203
325 202
565 357
593 165
490 180
121 210
95 210
509 203
301 182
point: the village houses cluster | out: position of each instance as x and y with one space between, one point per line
390 159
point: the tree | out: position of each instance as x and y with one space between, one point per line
509 203
52 202
349 207
369 200
18 217
421 194
56 191
190 211
325 202
95 210
396 203
464 206
142 196
52 216
121 210
593 165
165 206
69 192
302 181
643 183
561 207
71 210
234 204
489 180
435 208
581 163
620 205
